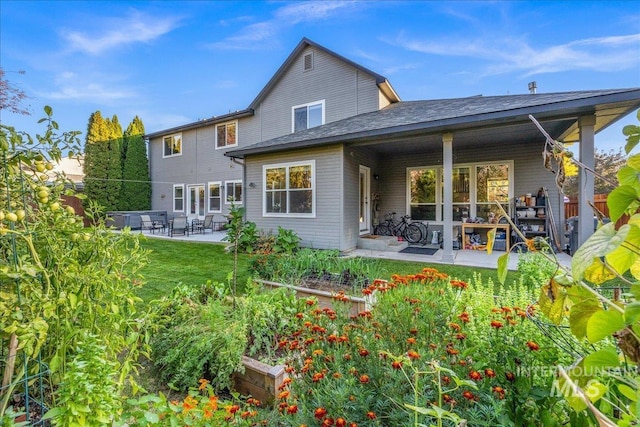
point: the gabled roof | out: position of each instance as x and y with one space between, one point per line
381 81
443 115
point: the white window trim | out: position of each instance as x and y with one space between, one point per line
216 135
309 104
164 156
226 196
287 165
209 184
173 198
472 186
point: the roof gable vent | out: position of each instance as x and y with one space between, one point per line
308 61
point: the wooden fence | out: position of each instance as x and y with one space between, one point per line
599 201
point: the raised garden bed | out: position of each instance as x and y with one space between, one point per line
325 298
259 380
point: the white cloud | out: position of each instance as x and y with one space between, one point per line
92 92
514 55
255 35
135 28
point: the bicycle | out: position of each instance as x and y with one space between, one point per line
410 231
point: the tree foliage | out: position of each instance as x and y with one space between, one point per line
136 185
607 163
11 97
116 166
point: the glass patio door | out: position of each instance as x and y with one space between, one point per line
196 201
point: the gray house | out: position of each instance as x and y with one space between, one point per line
327 148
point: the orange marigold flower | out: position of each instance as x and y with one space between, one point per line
363 352
396 364
489 373
317 377
318 352
496 324
319 413
411 340
367 291
446 380
188 404
337 375
499 391
284 394
464 317
510 376
533 346
327 422
371 415
475 375
292 409
413 331
364 378
310 301
413 354
203 383
232 409
452 351
460 336
454 326
468 395
341 422
459 284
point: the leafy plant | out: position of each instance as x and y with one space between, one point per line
60 282
88 394
604 382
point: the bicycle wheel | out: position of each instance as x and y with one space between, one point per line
424 229
412 233
382 230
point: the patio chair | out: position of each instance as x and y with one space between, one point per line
179 225
147 224
208 224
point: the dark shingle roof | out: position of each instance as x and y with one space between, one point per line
408 116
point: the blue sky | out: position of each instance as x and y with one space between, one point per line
173 62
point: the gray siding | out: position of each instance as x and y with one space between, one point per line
353 158
346 91
529 173
325 230
200 163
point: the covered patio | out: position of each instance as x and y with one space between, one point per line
467 258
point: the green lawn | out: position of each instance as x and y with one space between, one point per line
173 262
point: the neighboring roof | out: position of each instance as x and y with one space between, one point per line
381 81
204 122
450 114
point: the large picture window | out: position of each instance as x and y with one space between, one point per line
172 145
233 192
178 198
226 135
307 116
215 196
289 189
475 190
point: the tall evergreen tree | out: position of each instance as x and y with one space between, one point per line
114 165
96 154
136 185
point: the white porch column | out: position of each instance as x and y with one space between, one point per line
585 186
447 201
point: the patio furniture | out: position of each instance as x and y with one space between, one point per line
147 224
179 225
208 224
197 226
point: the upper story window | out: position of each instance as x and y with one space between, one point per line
307 116
172 145
226 135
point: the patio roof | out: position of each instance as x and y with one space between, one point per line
557 111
